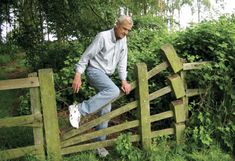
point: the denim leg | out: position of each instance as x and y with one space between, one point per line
104 124
106 91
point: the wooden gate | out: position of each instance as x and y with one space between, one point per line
43 106
77 139
47 139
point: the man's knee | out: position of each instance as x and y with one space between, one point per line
115 92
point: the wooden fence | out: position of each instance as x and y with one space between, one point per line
43 117
43 101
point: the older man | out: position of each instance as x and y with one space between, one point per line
107 52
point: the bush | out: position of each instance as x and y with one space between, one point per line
212 116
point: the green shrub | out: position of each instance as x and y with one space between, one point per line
212 115
5 59
24 105
125 150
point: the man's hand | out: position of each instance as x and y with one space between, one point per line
76 82
126 87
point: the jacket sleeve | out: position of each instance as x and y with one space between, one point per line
122 64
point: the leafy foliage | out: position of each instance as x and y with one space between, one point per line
212 116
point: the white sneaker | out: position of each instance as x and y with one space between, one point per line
74 116
102 152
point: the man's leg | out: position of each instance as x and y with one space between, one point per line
106 89
104 124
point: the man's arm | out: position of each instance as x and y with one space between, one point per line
90 52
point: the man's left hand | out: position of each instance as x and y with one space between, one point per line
126 87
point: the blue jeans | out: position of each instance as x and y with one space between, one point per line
106 91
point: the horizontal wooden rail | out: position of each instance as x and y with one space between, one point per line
99 144
157 69
195 65
194 92
161 116
159 93
95 134
99 120
28 120
19 83
19 152
111 142
169 131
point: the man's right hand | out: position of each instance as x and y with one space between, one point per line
76 82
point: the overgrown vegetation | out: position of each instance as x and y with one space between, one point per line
213 115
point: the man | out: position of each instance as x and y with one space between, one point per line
107 52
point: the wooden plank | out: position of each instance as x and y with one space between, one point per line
171 56
19 152
195 65
157 69
159 93
161 116
194 92
179 132
26 120
144 109
169 131
19 83
177 85
185 98
48 101
99 120
95 134
178 107
36 110
99 144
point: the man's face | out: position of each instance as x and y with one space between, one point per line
122 29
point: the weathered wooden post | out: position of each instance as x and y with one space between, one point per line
48 100
37 112
172 58
185 98
144 109
178 107
178 87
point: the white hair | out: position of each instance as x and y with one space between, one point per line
125 18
